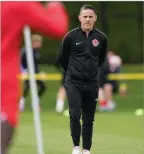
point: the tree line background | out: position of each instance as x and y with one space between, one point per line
122 22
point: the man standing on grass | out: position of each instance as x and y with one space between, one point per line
82 52
15 16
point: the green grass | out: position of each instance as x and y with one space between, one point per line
114 133
120 132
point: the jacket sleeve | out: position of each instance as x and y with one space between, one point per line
103 52
64 52
51 21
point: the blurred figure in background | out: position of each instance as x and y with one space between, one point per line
61 94
36 46
15 16
108 87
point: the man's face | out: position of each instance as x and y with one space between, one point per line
37 44
87 18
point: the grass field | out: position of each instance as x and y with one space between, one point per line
120 132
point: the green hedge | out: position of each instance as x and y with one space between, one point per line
122 21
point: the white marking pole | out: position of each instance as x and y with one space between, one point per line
33 87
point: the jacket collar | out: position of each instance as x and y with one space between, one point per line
85 32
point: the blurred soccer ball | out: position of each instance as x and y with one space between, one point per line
139 112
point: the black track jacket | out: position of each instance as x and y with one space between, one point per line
81 55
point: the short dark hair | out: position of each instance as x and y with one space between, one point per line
86 6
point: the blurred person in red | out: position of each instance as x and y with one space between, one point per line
15 15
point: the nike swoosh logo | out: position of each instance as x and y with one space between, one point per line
77 43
